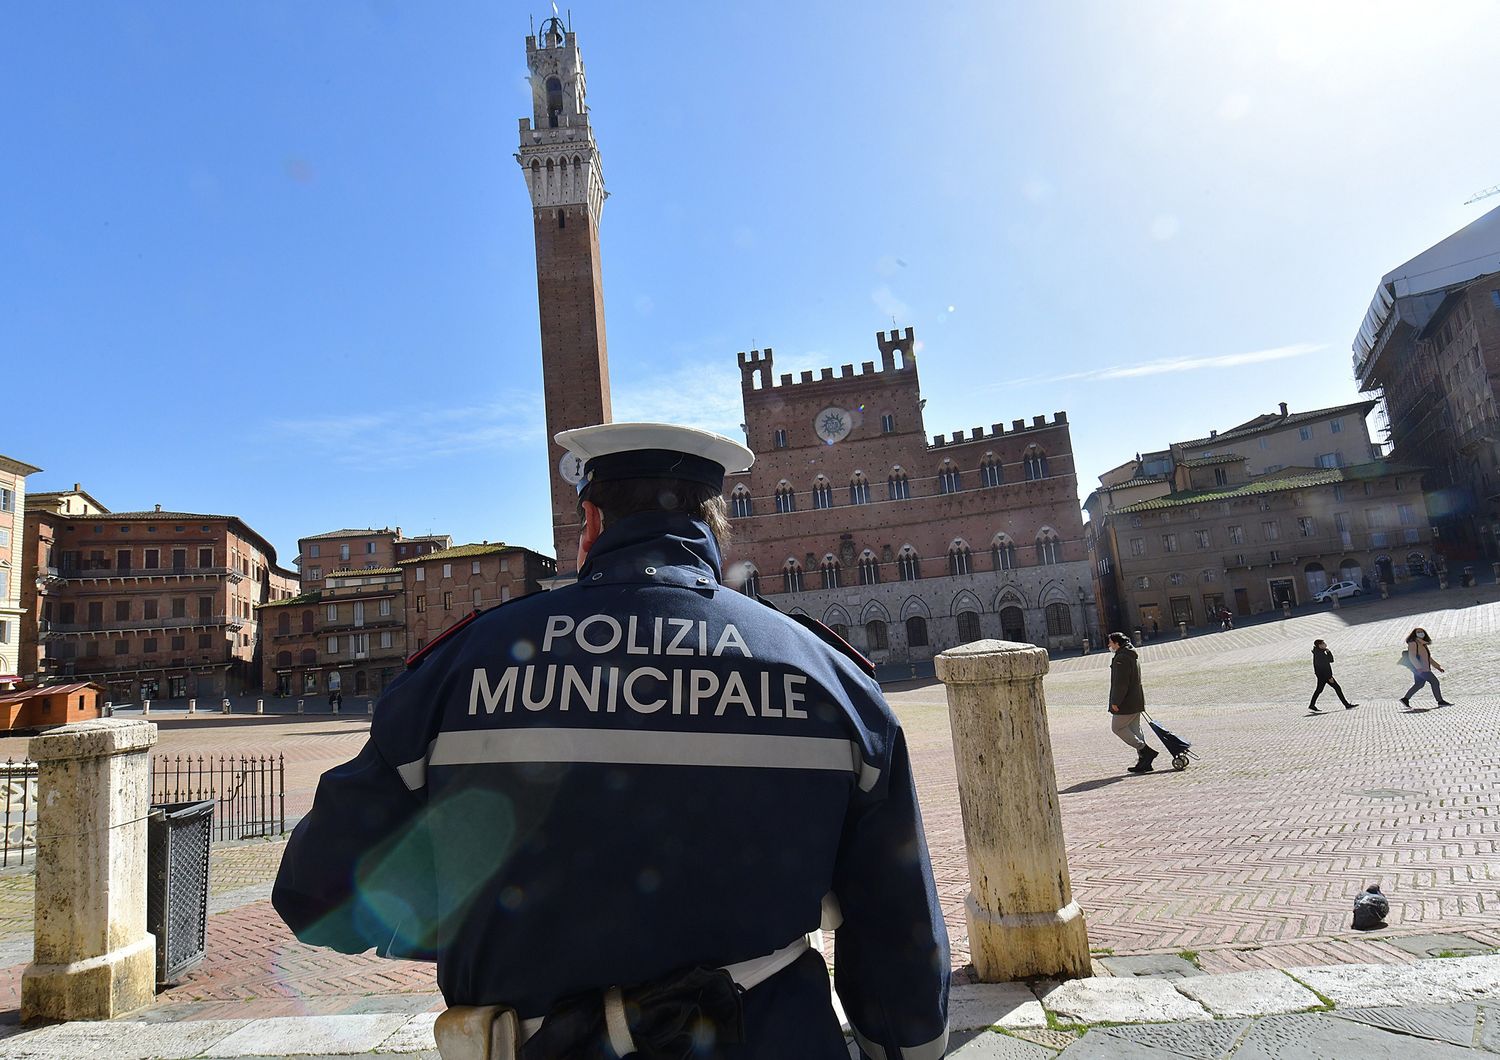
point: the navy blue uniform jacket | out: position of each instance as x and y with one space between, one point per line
637 773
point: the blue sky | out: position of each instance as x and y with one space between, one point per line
275 259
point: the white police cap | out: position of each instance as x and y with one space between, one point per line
617 451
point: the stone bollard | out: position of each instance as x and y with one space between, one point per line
335 705
260 706
1085 645
1286 610
1137 637
1385 591
1495 569
1023 922
145 707
1442 581
299 706
94 959
193 706
1182 630
109 709
1334 600
369 706
224 707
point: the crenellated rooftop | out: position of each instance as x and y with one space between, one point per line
756 366
998 430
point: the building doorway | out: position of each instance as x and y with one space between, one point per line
1386 569
1150 620
1316 577
1242 601
1182 610
1013 625
1283 592
177 687
1213 603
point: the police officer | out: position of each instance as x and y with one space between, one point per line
614 813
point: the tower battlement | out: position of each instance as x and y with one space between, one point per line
756 365
999 430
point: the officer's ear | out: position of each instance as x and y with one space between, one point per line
589 529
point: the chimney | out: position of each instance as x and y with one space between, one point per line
78 487
158 507
1213 434
398 531
1283 408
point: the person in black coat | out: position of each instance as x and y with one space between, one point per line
1127 701
1323 670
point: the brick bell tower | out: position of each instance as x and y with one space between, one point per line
560 162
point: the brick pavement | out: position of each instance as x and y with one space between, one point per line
1251 858
1253 855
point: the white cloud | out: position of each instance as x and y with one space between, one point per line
692 395
888 304
1173 365
406 437
1235 106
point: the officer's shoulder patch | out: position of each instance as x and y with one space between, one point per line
826 635
415 658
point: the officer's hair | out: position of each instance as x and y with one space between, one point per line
1121 639
617 499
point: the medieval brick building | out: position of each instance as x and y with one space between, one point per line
906 545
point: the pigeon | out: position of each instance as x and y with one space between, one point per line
1371 909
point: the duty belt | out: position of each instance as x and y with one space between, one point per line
667 1012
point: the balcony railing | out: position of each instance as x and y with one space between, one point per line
82 573
145 625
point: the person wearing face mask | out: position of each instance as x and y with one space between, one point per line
1419 658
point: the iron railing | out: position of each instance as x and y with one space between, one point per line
18 789
249 790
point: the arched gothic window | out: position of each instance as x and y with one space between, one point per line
751 587
991 471
792 573
786 498
1003 552
896 486
1059 620
875 635
1036 463
859 489
830 572
958 559
554 102
909 564
739 503
1047 547
869 569
916 632
948 477
822 493
968 627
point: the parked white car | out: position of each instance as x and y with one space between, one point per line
1339 589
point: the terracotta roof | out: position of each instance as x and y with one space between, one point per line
351 572
187 517
1206 461
306 598
461 552
366 532
1144 480
20 694
1280 482
1275 421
